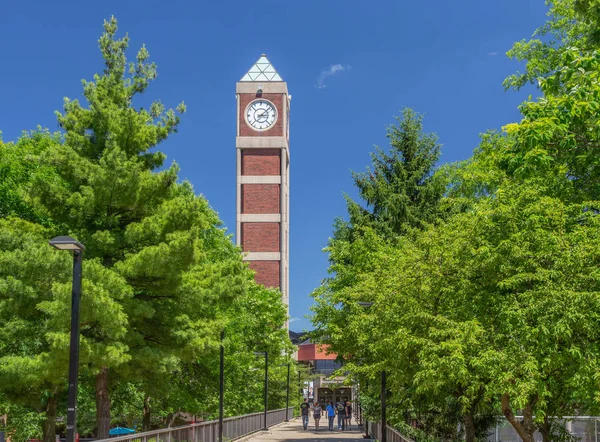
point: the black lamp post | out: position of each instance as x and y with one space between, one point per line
366 420
287 392
221 385
383 438
68 243
287 395
266 354
383 407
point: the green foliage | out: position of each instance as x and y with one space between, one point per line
571 23
492 309
400 191
161 278
401 194
35 299
559 135
19 164
23 424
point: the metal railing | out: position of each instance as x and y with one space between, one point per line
233 428
583 428
374 428
392 434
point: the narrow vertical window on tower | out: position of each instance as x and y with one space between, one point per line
262 221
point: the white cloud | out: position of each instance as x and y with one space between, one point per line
293 320
332 70
492 54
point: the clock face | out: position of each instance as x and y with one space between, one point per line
261 114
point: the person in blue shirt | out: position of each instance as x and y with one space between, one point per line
330 415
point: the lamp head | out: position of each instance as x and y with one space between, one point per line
66 243
365 304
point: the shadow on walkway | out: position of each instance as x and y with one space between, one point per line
292 431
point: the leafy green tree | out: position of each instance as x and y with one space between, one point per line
559 134
252 323
571 23
107 165
138 221
494 309
22 423
161 276
401 193
35 299
532 280
19 165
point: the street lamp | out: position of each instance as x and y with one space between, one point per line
383 438
266 355
383 407
366 436
221 385
287 392
68 243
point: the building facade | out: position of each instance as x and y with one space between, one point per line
263 160
322 364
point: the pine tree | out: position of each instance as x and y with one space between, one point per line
400 190
137 220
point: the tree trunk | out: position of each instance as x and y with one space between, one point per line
49 426
469 427
146 418
526 429
102 405
169 420
545 430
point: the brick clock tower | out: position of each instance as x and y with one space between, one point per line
263 160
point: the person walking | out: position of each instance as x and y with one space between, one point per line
348 415
317 413
331 415
304 409
341 412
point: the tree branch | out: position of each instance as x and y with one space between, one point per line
510 417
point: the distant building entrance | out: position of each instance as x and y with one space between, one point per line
326 395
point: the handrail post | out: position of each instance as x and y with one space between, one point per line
267 387
287 395
221 385
383 406
366 420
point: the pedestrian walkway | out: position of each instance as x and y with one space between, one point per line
292 430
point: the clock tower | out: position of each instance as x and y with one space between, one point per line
263 160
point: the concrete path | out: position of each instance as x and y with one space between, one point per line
292 431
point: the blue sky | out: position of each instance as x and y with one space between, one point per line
350 67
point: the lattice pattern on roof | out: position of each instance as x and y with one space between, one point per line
262 70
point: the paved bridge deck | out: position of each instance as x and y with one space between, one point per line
292 431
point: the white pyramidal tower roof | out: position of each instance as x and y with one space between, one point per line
262 70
